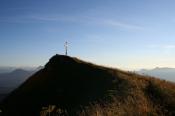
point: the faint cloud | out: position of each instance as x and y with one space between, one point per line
167 50
110 23
15 19
53 18
116 23
69 18
170 46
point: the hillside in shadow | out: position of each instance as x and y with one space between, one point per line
69 86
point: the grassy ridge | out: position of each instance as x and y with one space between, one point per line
74 87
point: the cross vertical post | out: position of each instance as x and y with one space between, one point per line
66 46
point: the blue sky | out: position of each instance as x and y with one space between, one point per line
127 34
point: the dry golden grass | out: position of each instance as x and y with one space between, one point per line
138 99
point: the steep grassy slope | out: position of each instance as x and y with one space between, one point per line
74 87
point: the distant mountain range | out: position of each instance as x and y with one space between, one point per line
6 69
9 80
68 86
163 73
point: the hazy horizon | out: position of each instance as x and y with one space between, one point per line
126 69
124 34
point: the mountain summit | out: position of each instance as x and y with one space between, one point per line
75 87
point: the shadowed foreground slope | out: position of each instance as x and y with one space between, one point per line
75 87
